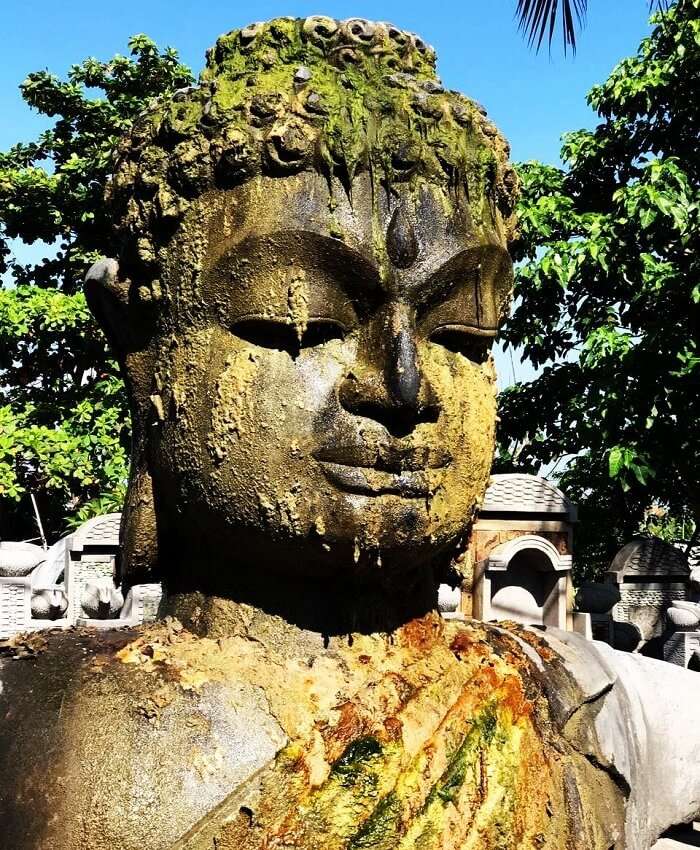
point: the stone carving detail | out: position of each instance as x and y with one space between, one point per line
15 609
521 547
320 139
682 648
650 557
49 604
19 559
101 600
101 531
526 494
73 582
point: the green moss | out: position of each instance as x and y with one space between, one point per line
326 101
356 756
380 828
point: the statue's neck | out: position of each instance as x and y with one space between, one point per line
309 605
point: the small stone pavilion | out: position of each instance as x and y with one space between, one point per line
521 555
650 575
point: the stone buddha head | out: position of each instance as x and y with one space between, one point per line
314 266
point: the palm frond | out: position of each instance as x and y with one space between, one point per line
537 19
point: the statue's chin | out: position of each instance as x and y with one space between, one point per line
234 556
329 534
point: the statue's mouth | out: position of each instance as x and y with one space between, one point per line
387 471
375 482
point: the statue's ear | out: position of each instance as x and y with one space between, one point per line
124 311
128 327
108 300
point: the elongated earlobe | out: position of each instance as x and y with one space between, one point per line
107 299
127 321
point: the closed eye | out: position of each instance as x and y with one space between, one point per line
470 343
281 335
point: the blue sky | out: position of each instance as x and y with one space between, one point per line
533 98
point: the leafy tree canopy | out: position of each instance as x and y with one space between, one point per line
64 428
608 301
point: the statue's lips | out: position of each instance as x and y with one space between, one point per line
391 473
376 482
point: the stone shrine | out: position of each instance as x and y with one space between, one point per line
71 583
314 264
649 575
521 546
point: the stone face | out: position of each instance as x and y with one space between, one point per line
305 304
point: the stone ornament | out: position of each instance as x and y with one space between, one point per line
518 493
683 614
651 575
650 556
19 559
49 604
101 600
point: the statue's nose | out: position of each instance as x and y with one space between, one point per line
388 385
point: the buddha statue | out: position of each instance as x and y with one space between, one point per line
314 266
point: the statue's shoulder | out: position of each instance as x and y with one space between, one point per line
109 741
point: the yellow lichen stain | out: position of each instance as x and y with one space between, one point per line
468 431
232 400
470 764
288 510
298 302
421 742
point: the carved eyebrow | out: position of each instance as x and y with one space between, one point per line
340 261
455 272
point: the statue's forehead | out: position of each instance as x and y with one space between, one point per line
417 226
413 244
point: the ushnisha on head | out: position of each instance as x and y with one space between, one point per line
314 266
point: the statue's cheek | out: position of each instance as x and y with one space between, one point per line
233 416
467 397
264 397
465 429
261 435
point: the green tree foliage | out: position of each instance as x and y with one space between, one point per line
64 428
608 300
